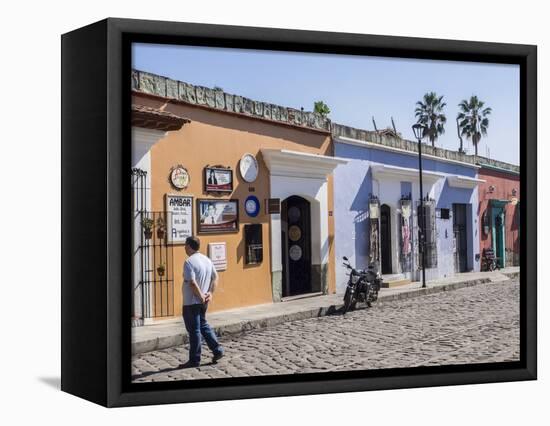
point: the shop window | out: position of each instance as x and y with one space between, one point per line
253 244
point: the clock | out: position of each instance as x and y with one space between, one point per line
179 177
248 166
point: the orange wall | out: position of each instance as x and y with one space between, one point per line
217 138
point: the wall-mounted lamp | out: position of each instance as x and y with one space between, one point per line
514 192
491 189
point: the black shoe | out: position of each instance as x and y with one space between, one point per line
189 364
217 357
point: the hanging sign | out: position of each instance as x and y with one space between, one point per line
179 218
217 253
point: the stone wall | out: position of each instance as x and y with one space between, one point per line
339 130
216 98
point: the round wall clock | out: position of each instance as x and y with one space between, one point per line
248 166
179 177
252 206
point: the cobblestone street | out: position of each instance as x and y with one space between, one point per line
472 325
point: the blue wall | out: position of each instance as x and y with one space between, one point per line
353 185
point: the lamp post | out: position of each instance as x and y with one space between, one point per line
418 130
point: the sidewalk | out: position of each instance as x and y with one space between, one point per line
171 332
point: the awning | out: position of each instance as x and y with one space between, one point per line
457 181
383 171
498 203
283 162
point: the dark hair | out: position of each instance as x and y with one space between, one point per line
193 242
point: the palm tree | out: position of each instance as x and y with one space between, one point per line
430 114
473 119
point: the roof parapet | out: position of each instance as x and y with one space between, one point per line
157 85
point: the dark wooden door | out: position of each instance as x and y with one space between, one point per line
461 243
296 246
385 239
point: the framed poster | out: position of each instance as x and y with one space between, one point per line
179 218
217 216
114 291
217 252
217 179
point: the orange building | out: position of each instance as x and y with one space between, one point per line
252 180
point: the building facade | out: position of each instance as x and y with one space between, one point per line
377 210
278 196
252 180
499 201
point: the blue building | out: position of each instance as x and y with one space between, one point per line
376 199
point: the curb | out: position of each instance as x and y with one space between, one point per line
166 342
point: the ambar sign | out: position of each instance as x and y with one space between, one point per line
179 218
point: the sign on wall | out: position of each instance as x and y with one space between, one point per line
179 177
217 253
217 179
179 218
218 216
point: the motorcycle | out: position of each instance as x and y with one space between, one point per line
363 286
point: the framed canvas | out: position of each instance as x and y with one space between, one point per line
217 216
217 179
397 248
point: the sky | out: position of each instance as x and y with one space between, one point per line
356 88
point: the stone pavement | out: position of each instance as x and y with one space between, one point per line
170 333
473 324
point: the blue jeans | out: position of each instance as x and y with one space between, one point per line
194 317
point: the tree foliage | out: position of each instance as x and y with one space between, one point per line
429 112
473 119
321 108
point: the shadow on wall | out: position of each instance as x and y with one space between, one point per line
360 206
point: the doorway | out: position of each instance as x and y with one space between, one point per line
385 238
499 240
461 244
296 246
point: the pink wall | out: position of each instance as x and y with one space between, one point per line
504 183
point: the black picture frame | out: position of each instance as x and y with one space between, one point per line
96 268
203 228
215 188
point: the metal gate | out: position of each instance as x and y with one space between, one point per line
153 258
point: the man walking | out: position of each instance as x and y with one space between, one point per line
199 282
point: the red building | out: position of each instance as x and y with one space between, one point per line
499 199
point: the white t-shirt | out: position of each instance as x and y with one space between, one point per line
200 268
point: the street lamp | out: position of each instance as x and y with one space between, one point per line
418 130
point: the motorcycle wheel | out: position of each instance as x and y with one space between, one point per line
348 301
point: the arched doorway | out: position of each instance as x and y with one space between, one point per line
296 246
385 239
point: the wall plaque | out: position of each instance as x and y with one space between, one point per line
217 252
273 206
179 218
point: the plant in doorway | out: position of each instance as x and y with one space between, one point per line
147 225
